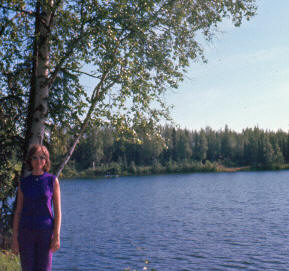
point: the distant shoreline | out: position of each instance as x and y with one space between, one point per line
234 169
147 171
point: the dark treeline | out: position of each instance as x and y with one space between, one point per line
177 150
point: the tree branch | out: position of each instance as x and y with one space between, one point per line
67 54
94 99
54 9
62 60
10 97
7 23
85 73
30 13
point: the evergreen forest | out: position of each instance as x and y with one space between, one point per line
173 150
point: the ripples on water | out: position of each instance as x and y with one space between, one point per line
223 221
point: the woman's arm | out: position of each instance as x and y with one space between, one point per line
17 214
55 244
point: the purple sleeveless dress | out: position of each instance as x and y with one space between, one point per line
37 202
36 223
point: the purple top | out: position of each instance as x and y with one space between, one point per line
37 202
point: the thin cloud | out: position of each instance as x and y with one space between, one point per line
261 55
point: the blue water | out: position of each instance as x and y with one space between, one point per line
222 221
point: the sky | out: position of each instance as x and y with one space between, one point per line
246 80
245 83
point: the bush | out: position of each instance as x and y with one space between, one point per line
172 166
9 262
69 171
114 169
132 168
143 170
157 168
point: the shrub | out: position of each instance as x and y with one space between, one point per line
9 262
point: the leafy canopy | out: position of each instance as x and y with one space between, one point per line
136 49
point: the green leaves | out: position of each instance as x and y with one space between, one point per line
143 46
136 51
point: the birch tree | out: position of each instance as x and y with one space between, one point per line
134 50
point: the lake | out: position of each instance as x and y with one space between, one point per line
207 221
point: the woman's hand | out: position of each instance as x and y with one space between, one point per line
15 246
55 243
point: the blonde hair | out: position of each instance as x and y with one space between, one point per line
32 150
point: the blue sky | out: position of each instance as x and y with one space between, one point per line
246 80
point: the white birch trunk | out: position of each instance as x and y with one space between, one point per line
40 95
42 88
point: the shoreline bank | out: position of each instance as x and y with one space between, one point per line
150 170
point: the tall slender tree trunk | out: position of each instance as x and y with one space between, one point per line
38 107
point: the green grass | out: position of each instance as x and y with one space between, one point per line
9 262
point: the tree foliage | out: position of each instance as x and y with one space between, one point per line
203 150
134 50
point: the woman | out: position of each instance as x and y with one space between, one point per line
36 231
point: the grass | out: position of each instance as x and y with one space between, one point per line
8 261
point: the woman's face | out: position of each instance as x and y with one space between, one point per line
38 160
